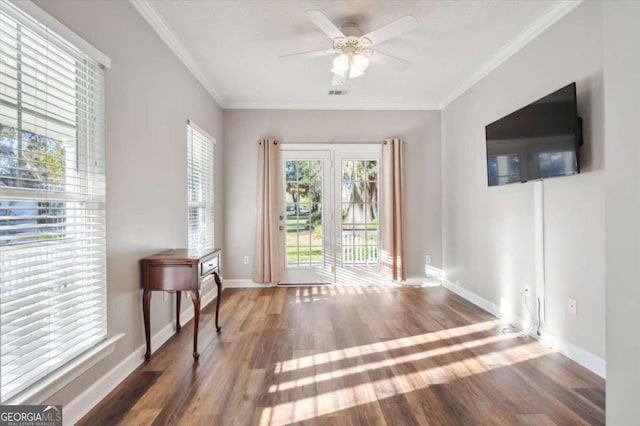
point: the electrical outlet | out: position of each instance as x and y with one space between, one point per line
246 260
573 306
427 259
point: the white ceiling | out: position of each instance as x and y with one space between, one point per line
232 47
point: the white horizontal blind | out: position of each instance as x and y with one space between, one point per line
52 202
200 190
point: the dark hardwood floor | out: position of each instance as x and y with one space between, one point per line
329 355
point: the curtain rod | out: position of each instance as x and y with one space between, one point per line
331 143
336 142
384 142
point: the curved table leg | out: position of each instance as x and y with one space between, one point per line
195 297
178 294
219 285
146 302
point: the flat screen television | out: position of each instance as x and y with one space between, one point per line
538 141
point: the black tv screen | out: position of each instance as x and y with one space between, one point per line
538 141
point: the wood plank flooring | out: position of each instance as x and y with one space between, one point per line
329 355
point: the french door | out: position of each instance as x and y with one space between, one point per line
330 221
357 235
308 255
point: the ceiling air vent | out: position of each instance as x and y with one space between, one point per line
335 92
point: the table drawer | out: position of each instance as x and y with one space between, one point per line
171 277
208 266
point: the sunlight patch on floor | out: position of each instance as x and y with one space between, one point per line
349 397
313 293
386 363
404 342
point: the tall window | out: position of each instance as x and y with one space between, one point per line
200 189
52 202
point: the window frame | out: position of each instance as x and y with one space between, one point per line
43 25
200 195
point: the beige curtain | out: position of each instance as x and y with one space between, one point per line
393 264
268 257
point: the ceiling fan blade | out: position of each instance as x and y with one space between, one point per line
322 22
393 29
311 54
399 64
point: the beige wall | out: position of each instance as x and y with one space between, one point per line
488 233
621 70
420 129
149 96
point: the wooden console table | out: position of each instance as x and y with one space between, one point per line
175 270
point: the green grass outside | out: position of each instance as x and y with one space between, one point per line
313 254
300 231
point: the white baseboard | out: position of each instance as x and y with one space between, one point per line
83 403
424 281
246 283
479 301
585 358
571 351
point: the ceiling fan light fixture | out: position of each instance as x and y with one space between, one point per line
354 49
359 63
340 65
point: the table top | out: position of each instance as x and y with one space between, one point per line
179 255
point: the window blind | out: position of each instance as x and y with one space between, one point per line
200 190
52 202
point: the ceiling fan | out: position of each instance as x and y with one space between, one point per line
355 50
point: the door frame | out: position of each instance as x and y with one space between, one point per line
332 271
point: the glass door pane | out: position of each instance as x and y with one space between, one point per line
359 198
306 229
303 201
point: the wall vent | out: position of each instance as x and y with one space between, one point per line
338 92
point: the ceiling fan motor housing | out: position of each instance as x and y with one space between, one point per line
352 46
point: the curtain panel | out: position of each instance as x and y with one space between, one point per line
268 248
393 255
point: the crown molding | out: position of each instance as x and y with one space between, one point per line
151 15
552 15
342 106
